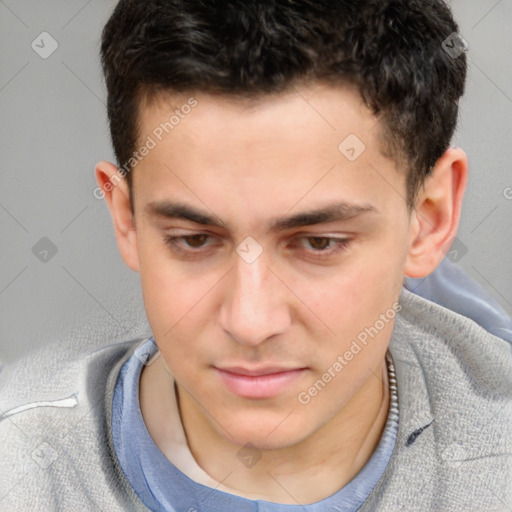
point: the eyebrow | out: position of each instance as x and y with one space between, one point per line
340 211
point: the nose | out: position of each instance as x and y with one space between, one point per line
255 306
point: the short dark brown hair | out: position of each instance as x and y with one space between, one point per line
391 50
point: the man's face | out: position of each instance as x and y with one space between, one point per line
244 295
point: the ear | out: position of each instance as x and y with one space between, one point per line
115 190
435 218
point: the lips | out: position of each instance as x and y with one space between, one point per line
238 370
258 383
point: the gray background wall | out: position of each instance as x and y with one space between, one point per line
54 130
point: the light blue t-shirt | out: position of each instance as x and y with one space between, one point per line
163 487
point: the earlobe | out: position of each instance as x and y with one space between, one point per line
435 219
117 197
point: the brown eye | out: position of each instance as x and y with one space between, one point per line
197 240
186 243
319 242
324 246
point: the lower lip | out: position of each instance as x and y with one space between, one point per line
262 386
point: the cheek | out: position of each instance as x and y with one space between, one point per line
353 293
163 281
176 303
354 299
166 296
170 302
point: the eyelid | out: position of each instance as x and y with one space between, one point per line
181 233
340 244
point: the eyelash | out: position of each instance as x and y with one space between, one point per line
341 244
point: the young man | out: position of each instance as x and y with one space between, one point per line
282 168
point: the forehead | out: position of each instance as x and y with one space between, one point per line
308 140
308 110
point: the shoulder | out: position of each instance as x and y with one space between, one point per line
445 340
455 376
454 384
53 370
54 430
461 364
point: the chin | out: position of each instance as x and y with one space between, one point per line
270 434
